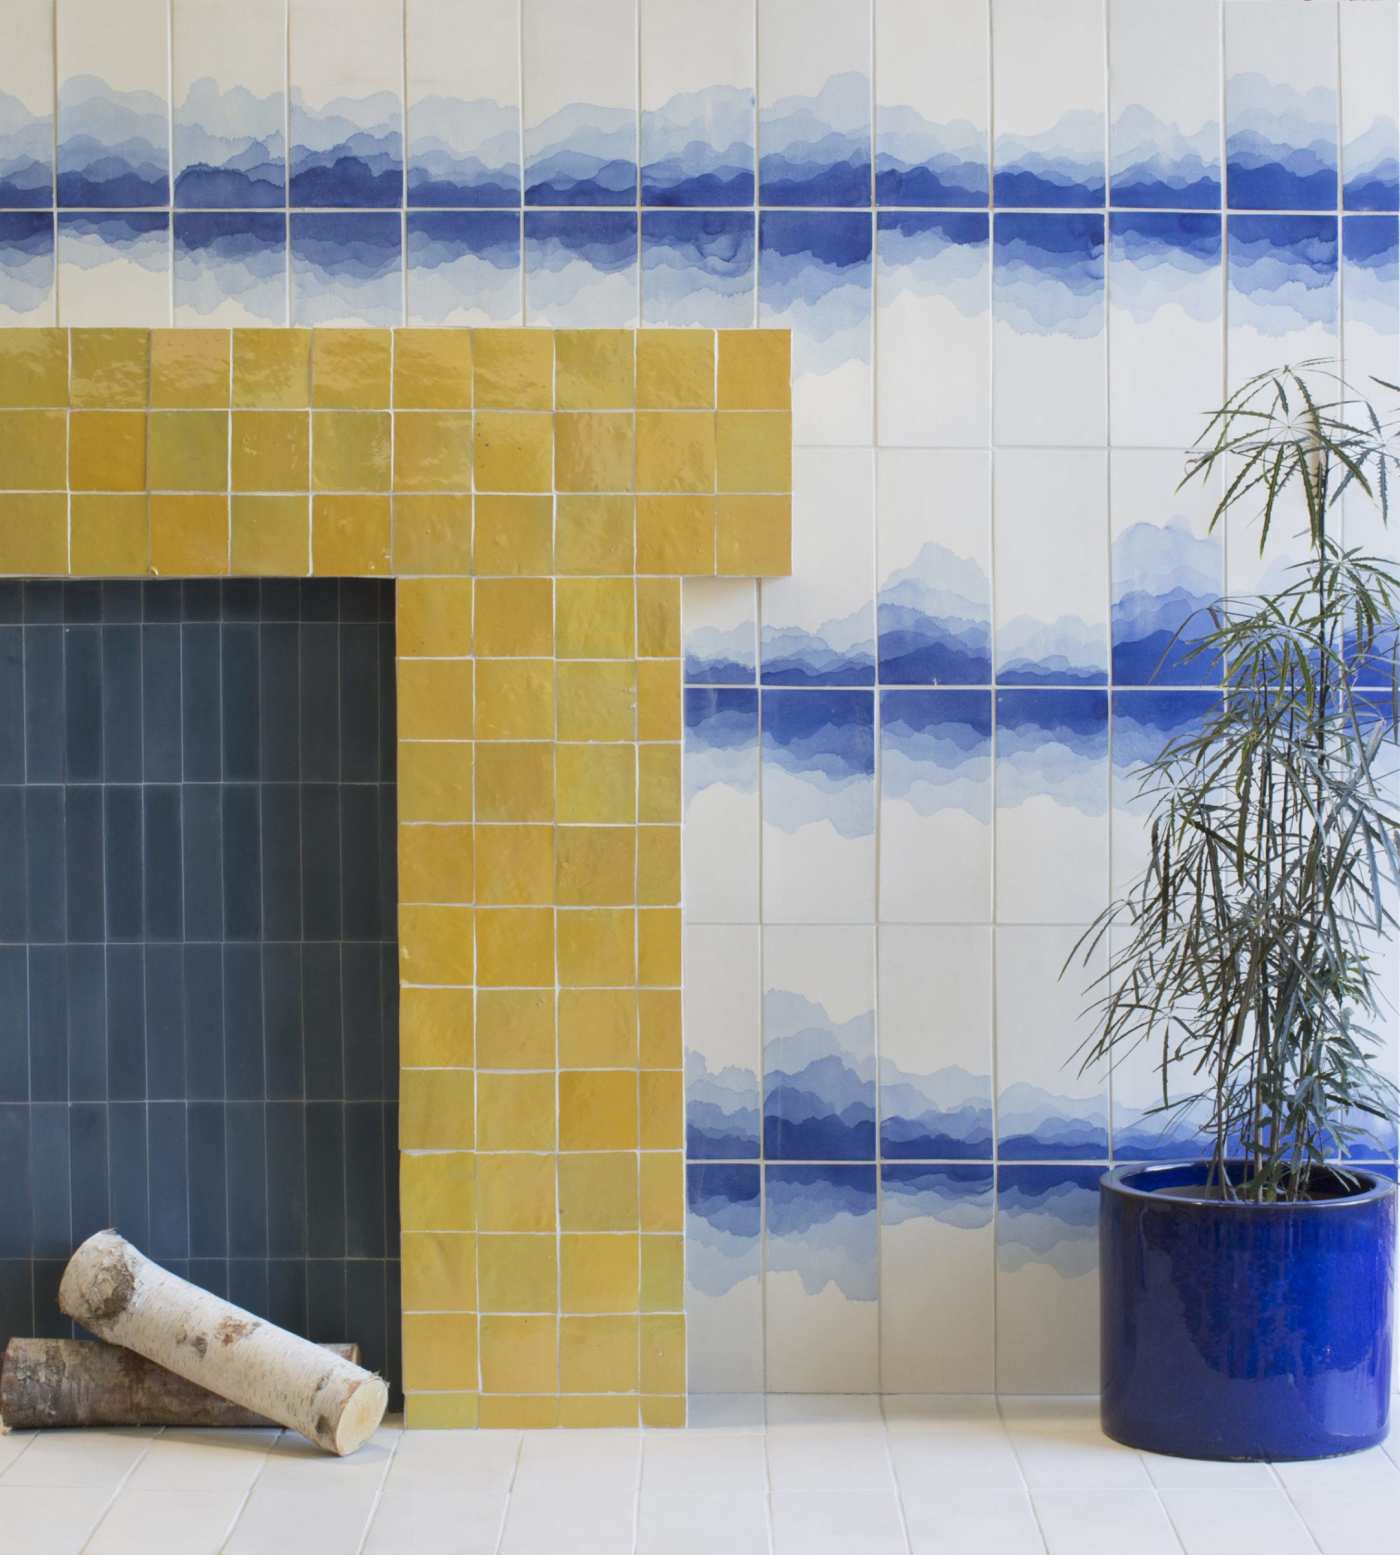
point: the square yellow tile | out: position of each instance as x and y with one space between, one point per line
432 450
597 866
34 368
437 1190
659 699
514 782
435 864
663 1413
519 1355
595 618
271 450
514 452
598 1412
754 537
675 450
515 699
754 450
659 946
188 450
662 1191
432 369
662 1109
658 866
434 699
663 1353
111 535
513 369
512 1412
515 618
659 1022
433 617
675 369
658 617
593 369
518 1273
442 1411
350 369
597 1028
516 1192
433 534
597 783
596 701
598 1354
110 368
271 535
439 1350
190 369
107 450
595 451
594 533
515 1111
439 1271
597 1109
599 1273
435 780
34 450
272 368
515 865
435 944
189 536
33 533
755 371
676 535
435 1027
515 1025
515 947
350 537
598 1192
658 783
435 1110
663 1273
514 534
350 450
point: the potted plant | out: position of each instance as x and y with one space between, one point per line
1247 1295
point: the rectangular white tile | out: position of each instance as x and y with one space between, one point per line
282 1517
699 268
1222 1522
476 1461
721 839
837 1524
1061 1446
27 97
941 1452
593 1523
674 1464
724 1277
347 268
721 631
51 1521
833 1459
93 1458
1370 301
464 267
230 268
1104 1523
166 1522
724 1043
581 269
1282 303
973 1522
203 1460
435 1522
698 1523
1370 100
27 268
1352 1523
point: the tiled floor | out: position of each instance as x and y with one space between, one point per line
858 1476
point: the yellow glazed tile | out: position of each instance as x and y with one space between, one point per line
754 450
188 450
514 452
514 617
189 536
271 450
510 1412
272 368
658 783
34 368
662 1273
515 947
435 944
754 536
435 1027
662 1191
110 368
350 369
658 617
597 866
513 369
598 1412
597 1028
439 1271
435 780
516 1192
190 369
107 450
435 863
434 699
663 1353
437 1190
515 1111
515 1025
432 450
598 1192
514 782
659 699
755 370
597 783
597 1353
675 451
439 1350
675 369
515 865
659 946
350 450
518 1274
110 535
595 618
270 535
676 535
33 533
442 1411
433 617
663 1413
515 699
662 1109
514 534
433 534
519 1355
659 1023
432 369
599 1273
435 1110
34 450
593 369
596 701
350 536
597 1109
594 533
658 866
594 451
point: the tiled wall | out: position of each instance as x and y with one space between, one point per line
1021 245
198 988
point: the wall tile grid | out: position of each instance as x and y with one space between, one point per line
1020 247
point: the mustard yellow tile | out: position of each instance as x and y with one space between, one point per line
190 369
439 1350
597 783
659 699
594 451
676 535
663 1353
433 534
435 863
755 371
432 369
598 1412
515 865
658 618
350 450
597 1109
597 1028
271 450
594 533
188 450
598 1192
595 618
515 699
350 369
658 866
514 534
511 1412
435 944
662 1273
596 701
33 532
435 1027
598 1354
754 537
434 699
593 369
513 451
110 535
659 946
435 780
518 1273
34 450
597 866
519 1355
439 1271
432 450
513 369
442 1411
515 1025
433 617
675 369
110 368
658 783
515 1111
515 618
515 947
435 1110
34 368
107 450
663 1412
659 1024
437 1190
189 535
662 1108
514 782
350 536
272 368
662 1191
754 450
599 1273
270 535
675 450
516 1192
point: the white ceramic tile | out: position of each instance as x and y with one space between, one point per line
1370 101
723 1002
13 1446
794 1414
721 631
203 1460
918 1413
720 843
230 268
468 1461
1060 1445
296 1463
689 1523
725 1413
48 1520
27 100
837 1524
1282 300
936 1459
1358 1471
1105 1523
673 1464
91 1458
1194 1474
331 1522
724 1279
1224 1522
435 1522
1352 1522
581 269
166 1522
27 268
699 268
592 1522
464 267
973 1522
833 1461
606 1462
114 268
1370 300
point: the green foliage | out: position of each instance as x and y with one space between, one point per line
1248 951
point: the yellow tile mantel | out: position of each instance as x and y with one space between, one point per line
538 495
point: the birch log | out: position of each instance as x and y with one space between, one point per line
116 1292
69 1382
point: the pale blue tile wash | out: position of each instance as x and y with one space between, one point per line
463 267
698 269
231 266
111 145
26 267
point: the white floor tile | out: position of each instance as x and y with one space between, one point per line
575 1522
455 1460
1206 1474
295 1463
978 1455
1108 1522
436 1522
1352 1522
91 1459
1372 1470
13 1445
1059 1443
595 1461
329 1521
824 1409
1238 1521
915 1411
829 1460
678 1523
726 1412
837 1523
674 1461
166 1522
973 1522
203 1460
48 1520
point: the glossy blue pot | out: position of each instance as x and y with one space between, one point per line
1244 1330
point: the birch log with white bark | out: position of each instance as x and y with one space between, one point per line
116 1292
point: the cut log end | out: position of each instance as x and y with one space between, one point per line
361 1416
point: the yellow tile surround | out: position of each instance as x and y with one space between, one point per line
538 496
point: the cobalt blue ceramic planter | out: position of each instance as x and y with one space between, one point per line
1244 1330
